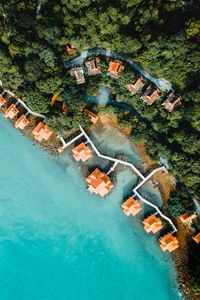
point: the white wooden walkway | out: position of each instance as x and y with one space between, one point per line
65 145
149 176
118 161
157 209
111 158
24 105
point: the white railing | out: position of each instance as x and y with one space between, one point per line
24 105
118 161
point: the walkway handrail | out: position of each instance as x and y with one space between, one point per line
148 177
137 172
24 105
65 145
157 209
111 158
116 161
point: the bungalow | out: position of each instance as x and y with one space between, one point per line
152 224
41 132
78 74
2 101
196 238
82 152
93 117
172 102
131 206
65 109
69 49
22 122
115 67
151 95
134 88
11 111
169 243
60 149
99 183
93 66
53 99
187 218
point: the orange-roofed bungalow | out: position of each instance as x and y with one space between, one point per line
82 152
65 109
172 102
187 218
151 95
2 101
134 88
11 111
99 183
115 67
22 122
69 49
60 149
41 132
93 66
131 206
196 238
93 117
169 243
78 74
152 224
53 99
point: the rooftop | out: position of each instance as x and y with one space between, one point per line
151 95
11 111
169 243
131 206
99 183
196 238
93 117
69 49
2 101
187 218
22 122
78 74
82 152
134 88
152 224
172 102
115 67
41 132
93 66
53 99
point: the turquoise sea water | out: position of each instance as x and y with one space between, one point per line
59 242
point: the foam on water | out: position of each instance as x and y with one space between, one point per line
57 241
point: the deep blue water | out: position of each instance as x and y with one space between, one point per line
59 242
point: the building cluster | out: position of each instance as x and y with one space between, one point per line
187 219
93 68
152 224
14 111
150 95
64 107
153 94
99 183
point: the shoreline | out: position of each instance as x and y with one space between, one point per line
180 257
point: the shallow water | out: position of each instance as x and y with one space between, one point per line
57 241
